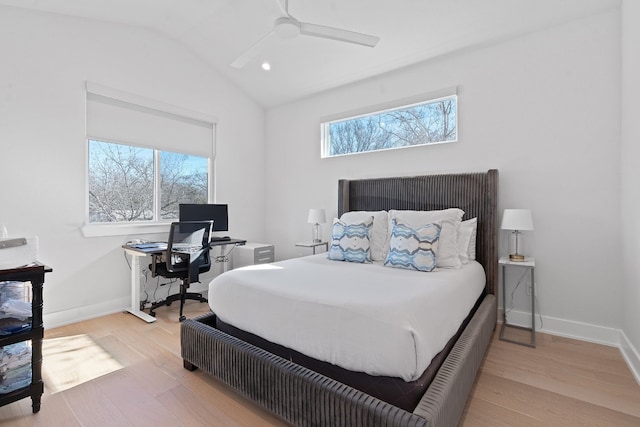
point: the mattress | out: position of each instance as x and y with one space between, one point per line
361 317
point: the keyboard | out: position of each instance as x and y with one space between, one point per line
220 239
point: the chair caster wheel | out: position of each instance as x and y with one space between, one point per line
182 318
152 313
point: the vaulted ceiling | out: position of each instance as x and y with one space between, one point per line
410 31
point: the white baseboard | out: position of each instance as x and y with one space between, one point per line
631 355
581 331
104 308
78 314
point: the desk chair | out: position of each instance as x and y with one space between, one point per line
187 256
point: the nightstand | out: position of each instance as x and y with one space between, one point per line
314 245
530 264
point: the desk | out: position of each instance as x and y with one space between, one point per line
138 252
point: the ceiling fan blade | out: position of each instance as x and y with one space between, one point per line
338 34
284 8
250 54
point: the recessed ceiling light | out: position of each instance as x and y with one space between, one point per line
266 66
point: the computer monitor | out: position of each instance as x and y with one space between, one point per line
206 212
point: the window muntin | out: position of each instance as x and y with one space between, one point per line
122 183
434 121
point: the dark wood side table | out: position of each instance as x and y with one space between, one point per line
35 275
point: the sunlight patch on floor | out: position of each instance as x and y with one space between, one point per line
71 361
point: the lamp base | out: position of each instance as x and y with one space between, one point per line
315 235
516 257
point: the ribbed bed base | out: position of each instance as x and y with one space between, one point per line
446 397
305 398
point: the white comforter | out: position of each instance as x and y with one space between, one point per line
362 317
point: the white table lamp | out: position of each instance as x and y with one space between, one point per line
516 220
316 217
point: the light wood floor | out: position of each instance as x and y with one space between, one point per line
562 382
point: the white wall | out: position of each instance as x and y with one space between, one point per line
631 176
45 61
543 109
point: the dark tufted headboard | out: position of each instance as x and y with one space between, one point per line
475 193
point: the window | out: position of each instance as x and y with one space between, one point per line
434 121
122 181
144 159
183 179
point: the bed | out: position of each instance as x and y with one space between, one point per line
303 395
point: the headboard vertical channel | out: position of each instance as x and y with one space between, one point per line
475 193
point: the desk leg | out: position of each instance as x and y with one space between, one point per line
135 291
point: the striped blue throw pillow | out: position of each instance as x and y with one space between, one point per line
413 248
350 242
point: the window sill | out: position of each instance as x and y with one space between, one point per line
103 230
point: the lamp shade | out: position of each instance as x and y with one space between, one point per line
317 216
517 219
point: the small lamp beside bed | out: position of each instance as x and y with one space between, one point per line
316 217
517 220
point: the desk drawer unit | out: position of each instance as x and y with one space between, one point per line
253 253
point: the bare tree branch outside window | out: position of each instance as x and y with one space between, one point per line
415 125
121 182
183 179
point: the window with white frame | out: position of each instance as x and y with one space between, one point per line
144 158
122 182
418 123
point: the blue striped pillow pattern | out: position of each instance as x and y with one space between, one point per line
413 248
351 242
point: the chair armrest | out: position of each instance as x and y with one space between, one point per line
154 259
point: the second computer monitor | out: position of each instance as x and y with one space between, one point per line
206 212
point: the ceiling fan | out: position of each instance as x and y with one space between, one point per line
287 26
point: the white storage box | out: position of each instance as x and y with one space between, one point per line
253 253
18 251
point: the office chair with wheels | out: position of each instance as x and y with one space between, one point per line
187 256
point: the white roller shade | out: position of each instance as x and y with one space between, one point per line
115 116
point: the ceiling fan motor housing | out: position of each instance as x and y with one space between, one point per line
287 27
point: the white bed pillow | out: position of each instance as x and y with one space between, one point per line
472 241
449 219
350 242
466 234
413 248
378 234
